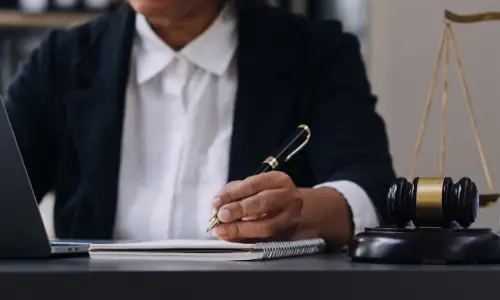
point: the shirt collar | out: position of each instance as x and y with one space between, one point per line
212 51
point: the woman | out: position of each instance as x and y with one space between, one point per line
138 119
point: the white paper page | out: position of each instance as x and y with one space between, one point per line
173 244
132 255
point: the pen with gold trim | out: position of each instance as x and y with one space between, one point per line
296 142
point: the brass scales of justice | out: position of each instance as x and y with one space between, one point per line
441 211
448 37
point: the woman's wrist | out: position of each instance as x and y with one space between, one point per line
325 214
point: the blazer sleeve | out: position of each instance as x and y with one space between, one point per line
350 142
26 105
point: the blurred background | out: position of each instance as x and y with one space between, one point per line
399 42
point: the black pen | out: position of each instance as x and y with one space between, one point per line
285 152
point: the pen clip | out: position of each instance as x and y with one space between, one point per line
306 128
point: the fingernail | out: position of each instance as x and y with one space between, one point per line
219 231
224 215
217 202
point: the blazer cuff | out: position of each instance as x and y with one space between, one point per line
363 211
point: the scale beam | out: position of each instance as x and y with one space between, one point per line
471 18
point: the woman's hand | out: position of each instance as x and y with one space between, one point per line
267 206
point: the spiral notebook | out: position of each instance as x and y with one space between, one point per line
206 250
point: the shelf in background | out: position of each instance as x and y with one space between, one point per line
15 19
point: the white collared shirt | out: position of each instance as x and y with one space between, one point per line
177 132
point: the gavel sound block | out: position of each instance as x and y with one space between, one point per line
442 212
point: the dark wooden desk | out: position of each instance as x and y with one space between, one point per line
307 278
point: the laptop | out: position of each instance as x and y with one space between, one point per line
22 231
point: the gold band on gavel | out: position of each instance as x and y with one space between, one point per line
429 201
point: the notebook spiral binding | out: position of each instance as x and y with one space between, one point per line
274 250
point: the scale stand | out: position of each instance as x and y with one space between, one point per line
434 244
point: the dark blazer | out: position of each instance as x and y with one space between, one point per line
66 107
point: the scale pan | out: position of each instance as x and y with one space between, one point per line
488 199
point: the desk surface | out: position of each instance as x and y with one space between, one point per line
294 278
332 264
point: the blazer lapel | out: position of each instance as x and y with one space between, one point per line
266 93
95 116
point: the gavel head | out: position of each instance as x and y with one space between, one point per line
433 202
